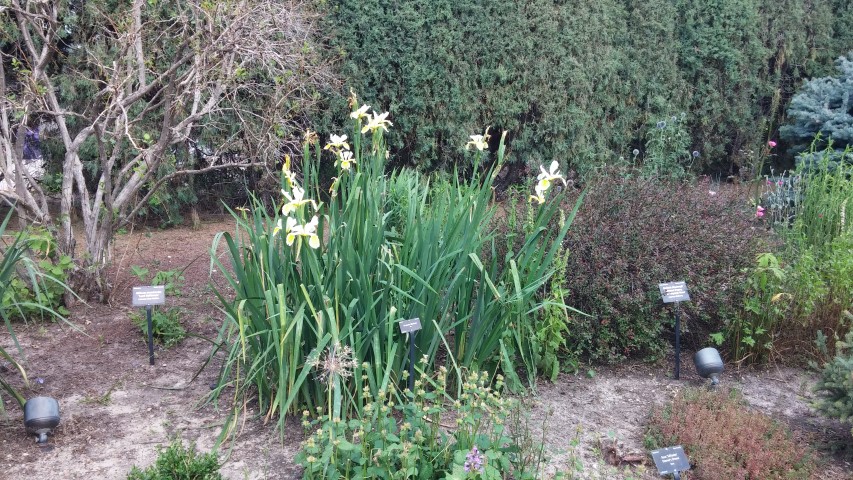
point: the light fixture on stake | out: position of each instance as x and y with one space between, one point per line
709 364
41 416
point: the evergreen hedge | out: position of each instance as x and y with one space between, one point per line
582 81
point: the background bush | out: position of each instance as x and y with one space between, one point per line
582 81
633 233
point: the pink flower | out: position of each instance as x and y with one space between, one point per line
769 182
780 183
771 144
759 212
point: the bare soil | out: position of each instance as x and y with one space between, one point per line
116 409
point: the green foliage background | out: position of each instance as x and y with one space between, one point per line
582 81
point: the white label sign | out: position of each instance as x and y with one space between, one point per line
145 296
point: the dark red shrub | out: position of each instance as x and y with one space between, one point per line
632 234
724 439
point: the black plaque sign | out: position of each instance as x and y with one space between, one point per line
408 326
146 296
674 292
670 460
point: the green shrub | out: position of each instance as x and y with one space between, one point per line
751 334
166 325
633 233
725 439
399 435
581 80
315 279
177 462
836 384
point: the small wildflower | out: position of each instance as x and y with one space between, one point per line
711 193
674 119
377 121
474 461
759 212
636 152
695 153
661 124
771 144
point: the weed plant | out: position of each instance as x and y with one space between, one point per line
177 462
314 280
166 325
724 439
426 434
40 287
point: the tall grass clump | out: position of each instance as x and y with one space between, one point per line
813 281
321 285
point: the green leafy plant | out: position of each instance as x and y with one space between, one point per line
725 439
173 280
667 152
399 435
752 333
317 277
167 328
40 288
177 462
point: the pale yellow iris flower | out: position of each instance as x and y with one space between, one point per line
296 200
540 195
360 113
294 229
480 142
337 143
546 177
376 122
347 160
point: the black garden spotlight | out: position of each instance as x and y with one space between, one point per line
709 364
41 416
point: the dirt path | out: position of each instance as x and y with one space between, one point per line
116 409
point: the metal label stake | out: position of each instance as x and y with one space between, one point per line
411 327
675 292
148 297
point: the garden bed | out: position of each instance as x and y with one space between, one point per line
116 409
